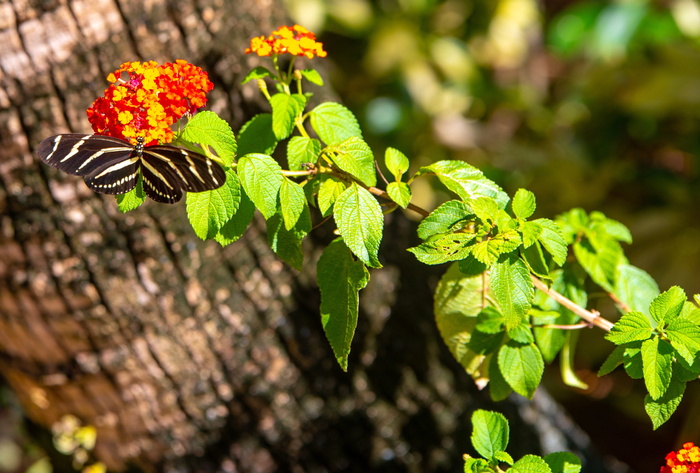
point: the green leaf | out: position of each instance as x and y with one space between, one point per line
285 110
486 209
286 243
552 240
522 367
684 336
328 192
237 225
396 162
458 301
503 457
340 278
257 73
668 305
292 202
499 389
132 199
471 465
530 232
615 359
632 363
256 136
490 433
530 464
261 177
447 218
451 247
523 204
466 181
521 333
312 76
355 157
490 250
209 211
207 129
360 222
660 410
633 326
534 257
400 192
657 358
635 288
300 150
512 288
563 462
334 123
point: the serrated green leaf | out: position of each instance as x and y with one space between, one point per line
132 199
657 358
503 457
512 288
612 228
261 177
396 162
400 193
360 222
300 150
236 226
521 333
286 243
615 359
486 209
257 73
447 218
292 202
340 278
563 462
472 266
466 181
328 192
523 204
530 464
285 110
633 326
534 257
334 123
552 240
471 465
633 360
451 247
355 157
489 251
522 367
458 301
208 129
312 76
490 433
668 305
499 389
691 312
531 232
209 211
660 410
635 288
684 336
256 136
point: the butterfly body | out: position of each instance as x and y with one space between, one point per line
112 166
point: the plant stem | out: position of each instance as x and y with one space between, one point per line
592 317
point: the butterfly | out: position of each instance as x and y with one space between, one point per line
112 165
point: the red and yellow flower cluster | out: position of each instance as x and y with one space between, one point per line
145 99
295 40
685 460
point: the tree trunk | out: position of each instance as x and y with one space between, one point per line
184 355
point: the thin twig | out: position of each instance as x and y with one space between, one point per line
592 317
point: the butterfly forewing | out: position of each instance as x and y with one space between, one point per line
111 166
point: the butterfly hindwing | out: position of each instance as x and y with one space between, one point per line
111 166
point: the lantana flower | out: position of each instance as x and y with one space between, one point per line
685 460
295 40
146 98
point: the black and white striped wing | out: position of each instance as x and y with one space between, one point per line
168 171
108 165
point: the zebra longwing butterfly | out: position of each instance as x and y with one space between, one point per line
111 166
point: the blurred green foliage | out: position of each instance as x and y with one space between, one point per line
592 104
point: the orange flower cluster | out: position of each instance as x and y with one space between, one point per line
145 99
685 460
295 40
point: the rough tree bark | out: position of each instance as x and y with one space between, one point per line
184 355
